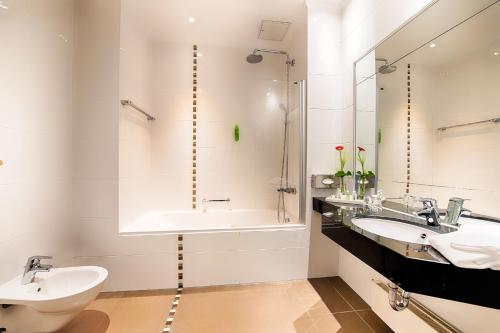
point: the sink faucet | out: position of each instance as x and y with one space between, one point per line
454 211
430 211
34 266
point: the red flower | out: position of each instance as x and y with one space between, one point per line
361 148
339 148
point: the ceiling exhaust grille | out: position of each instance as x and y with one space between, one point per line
273 30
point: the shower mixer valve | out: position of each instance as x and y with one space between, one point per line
288 190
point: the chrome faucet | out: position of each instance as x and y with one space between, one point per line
34 266
430 211
454 211
287 190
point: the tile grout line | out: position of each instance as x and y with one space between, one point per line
353 310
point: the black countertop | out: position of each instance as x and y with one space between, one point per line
406 265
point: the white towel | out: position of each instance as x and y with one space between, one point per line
472 246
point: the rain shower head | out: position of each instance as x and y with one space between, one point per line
386 68
254 58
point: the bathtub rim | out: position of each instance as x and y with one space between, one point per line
255 228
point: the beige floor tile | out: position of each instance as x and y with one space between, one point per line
88 321
314 306
142 314
348 293
350 322
377 325
329 295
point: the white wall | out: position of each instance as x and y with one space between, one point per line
35 132
136 84
230 92
329 123
365 23
133 262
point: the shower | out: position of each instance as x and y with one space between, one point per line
254 58
386 68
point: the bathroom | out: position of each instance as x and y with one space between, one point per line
187 166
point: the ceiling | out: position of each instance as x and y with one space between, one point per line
220 22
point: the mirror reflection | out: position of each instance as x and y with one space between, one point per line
430 117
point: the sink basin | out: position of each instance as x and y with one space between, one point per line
399 231
51 301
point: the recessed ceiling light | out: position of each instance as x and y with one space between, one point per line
191 19
495 53
433 45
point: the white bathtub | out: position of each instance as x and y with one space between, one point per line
165 222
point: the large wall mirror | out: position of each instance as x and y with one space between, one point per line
428 106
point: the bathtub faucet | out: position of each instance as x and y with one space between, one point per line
288 190
205 201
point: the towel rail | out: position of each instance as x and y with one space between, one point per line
493 120
127 102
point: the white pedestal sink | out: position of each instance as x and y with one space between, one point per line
51 301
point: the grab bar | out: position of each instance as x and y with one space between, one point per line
216 200
205 201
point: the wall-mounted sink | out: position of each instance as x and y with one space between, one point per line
51 301
399 231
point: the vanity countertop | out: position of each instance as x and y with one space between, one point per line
409 265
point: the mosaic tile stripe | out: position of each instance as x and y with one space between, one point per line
180 238
408 133
195 109
180 285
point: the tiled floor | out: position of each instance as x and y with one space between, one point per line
315 306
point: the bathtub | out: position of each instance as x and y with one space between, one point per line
180 222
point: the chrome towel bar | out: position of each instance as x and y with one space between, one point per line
494 121
127 102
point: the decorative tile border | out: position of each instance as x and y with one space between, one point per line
180 238
195 96
180 284
408 133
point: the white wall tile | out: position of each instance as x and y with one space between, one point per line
136 272
324 92
35 131
272 265
280 239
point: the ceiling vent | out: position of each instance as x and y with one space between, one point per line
273 30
